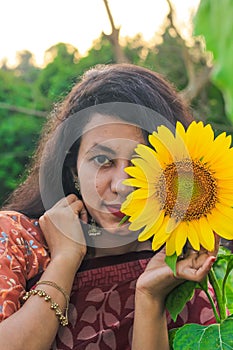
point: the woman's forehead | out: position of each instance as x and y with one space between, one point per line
111 126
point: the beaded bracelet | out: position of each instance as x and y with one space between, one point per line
54 306
53 284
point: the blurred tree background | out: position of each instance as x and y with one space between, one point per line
28 93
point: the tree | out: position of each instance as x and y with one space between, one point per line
113 38
59 74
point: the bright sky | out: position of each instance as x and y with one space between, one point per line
37 25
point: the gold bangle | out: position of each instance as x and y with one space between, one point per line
63 319
53 284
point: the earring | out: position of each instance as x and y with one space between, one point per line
93 229
77 184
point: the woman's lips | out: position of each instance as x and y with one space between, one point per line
115 210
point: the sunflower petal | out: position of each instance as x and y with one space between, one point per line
163 154
149 155
151 230
193 236
171 244
181 237
136 172
221 224
205 233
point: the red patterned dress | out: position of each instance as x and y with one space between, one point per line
101 306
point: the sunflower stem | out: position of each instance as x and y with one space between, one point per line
218 294
224 288
216 315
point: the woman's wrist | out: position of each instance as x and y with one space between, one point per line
67 262
149 301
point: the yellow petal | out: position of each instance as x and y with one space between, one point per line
170 244
225 197
225 210
160 237
135 172
151 173
218 148
180 130
193 236
221 224
157 244
146 216
135 183
131 205
163 154
205 233
150 230
149 155
143 193
175 145
181 237
171 225
199 138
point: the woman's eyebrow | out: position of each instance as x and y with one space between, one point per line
101 148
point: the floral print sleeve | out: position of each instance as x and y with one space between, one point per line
23 255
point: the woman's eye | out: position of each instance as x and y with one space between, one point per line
102 160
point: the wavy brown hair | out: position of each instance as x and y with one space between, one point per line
101 85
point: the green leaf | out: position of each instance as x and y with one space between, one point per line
171 334
213 337
171 262
214 21
178 297
204 284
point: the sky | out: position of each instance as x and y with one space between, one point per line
37 25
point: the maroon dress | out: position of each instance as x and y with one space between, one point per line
101 309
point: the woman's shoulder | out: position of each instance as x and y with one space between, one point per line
15 224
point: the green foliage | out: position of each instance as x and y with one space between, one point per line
57 78
171 262
177 299
215 336
197 337
18 135
167 58
224 267
214 21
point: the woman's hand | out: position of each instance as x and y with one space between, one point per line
158 280
154 284
62 228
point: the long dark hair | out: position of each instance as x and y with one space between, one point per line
101 85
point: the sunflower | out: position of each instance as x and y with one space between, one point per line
183 188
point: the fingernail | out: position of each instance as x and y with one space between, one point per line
213 259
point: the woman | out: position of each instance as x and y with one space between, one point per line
60 235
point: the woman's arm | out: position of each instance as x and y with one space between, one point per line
150 325
34 325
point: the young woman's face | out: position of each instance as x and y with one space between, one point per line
106 148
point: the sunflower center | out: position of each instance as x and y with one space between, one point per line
187 190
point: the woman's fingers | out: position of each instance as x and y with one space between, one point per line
75 204
66 201
195 268
79 209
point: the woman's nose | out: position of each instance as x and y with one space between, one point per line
119 175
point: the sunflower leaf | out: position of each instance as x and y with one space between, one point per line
171 262
171 334
195 336
178 297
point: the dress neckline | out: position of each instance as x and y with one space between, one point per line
109 260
